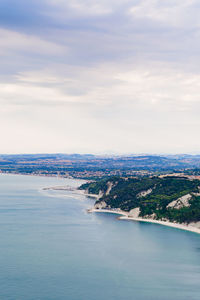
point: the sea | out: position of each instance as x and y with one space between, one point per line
52 249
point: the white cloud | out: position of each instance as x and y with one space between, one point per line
108 88
88 7
13 42
172 12
38 77
84 8
157 86
97 79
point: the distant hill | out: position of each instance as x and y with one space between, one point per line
94 166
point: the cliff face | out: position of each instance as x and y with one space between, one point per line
170 198
181 202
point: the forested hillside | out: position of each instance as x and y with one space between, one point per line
171 198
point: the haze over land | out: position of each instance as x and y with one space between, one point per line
99 77
89 166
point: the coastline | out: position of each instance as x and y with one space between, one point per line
39 175
75 190
124 216
110 211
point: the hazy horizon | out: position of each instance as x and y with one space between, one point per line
99 77
102 154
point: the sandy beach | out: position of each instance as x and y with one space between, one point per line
124 216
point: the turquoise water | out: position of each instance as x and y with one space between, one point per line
51 249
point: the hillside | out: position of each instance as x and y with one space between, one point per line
169 198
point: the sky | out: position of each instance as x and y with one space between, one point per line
109 76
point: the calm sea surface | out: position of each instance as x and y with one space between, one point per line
51 249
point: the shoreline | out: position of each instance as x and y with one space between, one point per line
124 216
39 175
75 190
110 211
48 175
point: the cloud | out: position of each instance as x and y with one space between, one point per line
84 7
11 41
96 76
172 13
89 7
157 87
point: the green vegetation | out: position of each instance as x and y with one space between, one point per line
94 187
152 195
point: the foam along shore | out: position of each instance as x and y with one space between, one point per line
125 216
110 211
60 188
75 190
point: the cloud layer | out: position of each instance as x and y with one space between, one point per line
89 76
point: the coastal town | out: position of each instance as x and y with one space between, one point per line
97 167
